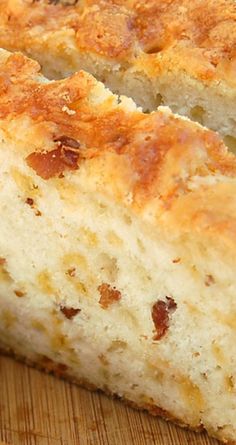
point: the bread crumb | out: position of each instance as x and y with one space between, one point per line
68 111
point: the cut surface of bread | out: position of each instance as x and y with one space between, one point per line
178 53
117 246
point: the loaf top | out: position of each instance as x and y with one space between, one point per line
196 37
163 167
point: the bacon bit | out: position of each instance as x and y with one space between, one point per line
72 272
176 260
2 261
19 293
53 163
69 312
209 280
171 303
29 201
160 316
66 141
117 345
70 158
108 294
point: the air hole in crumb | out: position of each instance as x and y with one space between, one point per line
66 2
88 236
19 293
159 100
176 260
8 318
108 266
230 384
102 208
209 280
230 142
196 354
114 239
75 260
117 345
4 274
142 273
39 326
44 280
140 244
197 114
154 49
71 272
127 219
102 358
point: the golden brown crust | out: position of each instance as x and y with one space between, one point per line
59 370
197 37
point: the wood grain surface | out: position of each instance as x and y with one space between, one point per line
38 409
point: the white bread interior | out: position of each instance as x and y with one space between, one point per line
169 234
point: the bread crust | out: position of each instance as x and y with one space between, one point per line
196 37
50 367
175 53
158 147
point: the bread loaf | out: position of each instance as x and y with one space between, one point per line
178 53
117 246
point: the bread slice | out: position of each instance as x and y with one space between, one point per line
178 53
117 246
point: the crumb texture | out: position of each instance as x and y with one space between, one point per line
119 269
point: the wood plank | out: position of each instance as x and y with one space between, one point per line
38 409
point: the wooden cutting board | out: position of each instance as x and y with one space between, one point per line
38 409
